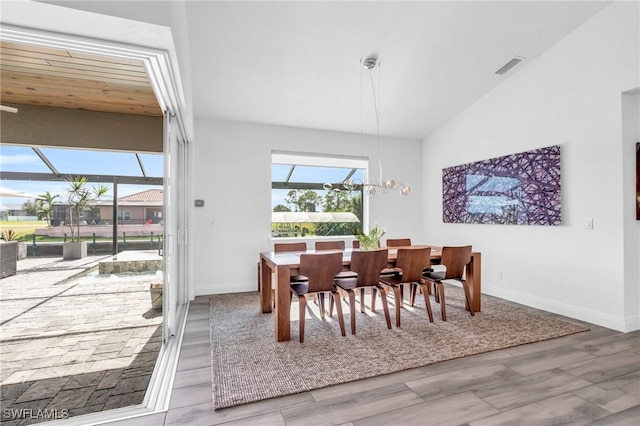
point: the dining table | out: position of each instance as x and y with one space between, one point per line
284 265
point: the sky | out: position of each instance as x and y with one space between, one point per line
76 162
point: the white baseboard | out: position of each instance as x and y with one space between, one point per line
618 323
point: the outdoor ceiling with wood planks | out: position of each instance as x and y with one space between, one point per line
46 77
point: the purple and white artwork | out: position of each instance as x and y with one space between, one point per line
517 189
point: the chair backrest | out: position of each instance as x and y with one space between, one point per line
321 269
455 259
412 261
368 265
398 242
329 245
283 247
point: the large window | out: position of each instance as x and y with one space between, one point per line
309 198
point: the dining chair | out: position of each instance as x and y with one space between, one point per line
454 259
329 245
286 247
320 269
410 264
334 245
367 265
398 242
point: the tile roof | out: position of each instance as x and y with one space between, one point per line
148 195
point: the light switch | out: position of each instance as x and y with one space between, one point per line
588 223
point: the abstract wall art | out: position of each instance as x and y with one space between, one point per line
517 189
638 181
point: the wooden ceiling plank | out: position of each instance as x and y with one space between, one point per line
13 59
84 75
33 48
107 71
101 64
111 59
18 55
104 106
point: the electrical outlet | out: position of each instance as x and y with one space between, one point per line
500 274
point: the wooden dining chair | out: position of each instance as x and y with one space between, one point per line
334 245
287 247
410 265
329 245
398 242
454 259
367 265
320 269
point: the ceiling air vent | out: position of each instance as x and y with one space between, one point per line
512 63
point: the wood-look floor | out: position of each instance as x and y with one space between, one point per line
590 378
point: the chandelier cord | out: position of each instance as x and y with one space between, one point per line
375 107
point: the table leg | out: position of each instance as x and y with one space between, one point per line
473 274
265 286
283 302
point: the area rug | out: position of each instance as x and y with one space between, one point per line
248 365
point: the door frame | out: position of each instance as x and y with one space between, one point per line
23 23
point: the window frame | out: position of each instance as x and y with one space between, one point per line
319 160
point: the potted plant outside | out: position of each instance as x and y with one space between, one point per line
369 240
8 235
79 198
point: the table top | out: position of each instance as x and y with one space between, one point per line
292 258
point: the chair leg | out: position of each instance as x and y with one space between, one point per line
374 294
425 291
303 307
385 306
338 304
467 296
321 304
412 294
397 293
331 302
362 300
352 307
436 296
401 301
440 294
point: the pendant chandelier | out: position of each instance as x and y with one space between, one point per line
372 186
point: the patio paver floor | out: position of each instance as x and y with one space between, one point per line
72 341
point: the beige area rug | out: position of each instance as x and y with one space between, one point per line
248 365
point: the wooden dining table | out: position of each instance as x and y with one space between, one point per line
287 264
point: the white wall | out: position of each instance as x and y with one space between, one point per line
233 177
571 96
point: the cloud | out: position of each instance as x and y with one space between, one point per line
19 159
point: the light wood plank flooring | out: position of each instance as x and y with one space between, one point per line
590 378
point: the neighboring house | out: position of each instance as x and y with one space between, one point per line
141 208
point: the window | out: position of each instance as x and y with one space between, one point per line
124 215
308 197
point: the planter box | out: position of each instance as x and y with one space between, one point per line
155 289
8 259
74 250
22 251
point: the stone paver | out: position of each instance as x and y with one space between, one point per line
72 341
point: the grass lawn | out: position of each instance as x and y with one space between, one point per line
23 229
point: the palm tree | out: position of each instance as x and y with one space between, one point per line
79 198
45 203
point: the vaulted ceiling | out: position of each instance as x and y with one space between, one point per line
298 63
